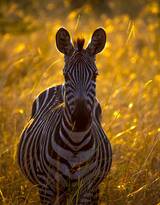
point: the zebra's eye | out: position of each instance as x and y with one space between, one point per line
94 76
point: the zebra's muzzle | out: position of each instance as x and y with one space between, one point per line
81 116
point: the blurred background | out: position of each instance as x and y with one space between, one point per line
128 88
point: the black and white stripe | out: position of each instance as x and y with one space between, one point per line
65 160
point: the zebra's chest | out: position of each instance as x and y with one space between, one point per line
68 159
74 159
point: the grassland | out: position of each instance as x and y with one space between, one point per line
128 88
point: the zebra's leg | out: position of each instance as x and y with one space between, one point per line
89 198
95 198
47 196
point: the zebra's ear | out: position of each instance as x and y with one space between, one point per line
63 42
98 42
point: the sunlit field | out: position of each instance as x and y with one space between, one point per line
128 88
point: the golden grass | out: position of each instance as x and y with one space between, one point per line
128 88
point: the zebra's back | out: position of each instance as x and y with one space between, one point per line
47 103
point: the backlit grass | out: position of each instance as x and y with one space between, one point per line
128 88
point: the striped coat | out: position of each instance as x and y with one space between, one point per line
52 163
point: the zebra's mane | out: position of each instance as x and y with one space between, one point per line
79 43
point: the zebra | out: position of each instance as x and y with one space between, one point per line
63 149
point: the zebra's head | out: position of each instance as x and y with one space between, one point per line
80 74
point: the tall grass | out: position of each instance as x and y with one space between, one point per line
128 88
